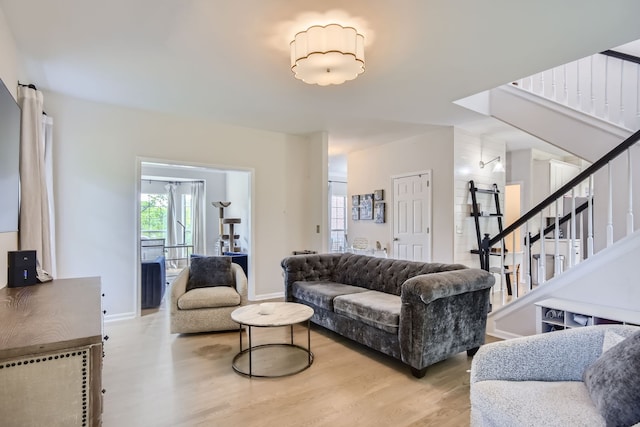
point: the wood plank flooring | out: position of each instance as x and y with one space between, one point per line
153 378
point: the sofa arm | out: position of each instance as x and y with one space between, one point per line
178 288
553 356
241 282
307 268
433 286
443 314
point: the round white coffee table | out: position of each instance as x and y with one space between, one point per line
267 315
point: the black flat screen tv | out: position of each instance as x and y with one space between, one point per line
9 161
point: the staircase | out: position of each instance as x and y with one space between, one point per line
585 123
581 134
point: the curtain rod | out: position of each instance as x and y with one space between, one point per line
171 182
340 182
31 86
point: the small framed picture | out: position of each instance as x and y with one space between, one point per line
355 200
378 213
366 206
355 213
378 195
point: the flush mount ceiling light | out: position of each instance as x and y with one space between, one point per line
327 55
499 167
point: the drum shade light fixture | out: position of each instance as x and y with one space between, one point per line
327 55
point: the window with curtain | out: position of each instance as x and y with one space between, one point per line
153 215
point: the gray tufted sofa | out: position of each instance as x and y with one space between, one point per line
420 313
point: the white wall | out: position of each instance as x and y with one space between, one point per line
96 150
9 75
372 169
317 177
467 156
519 169
9 59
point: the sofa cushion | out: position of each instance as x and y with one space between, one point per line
321 294
383 274
509 403
374 308
611 338
210 271
218 296
612 382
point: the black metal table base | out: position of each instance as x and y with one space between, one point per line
293 351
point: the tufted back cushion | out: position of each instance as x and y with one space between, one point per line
383 274
310 267
380 274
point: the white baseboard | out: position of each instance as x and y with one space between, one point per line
263 297
120 316
503 335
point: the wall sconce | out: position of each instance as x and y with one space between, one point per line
499 167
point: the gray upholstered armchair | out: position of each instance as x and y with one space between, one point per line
206 309
552 379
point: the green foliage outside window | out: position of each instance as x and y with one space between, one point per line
153 215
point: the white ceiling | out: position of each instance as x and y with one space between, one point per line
228 61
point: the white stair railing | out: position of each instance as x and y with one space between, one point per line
602 86
613 203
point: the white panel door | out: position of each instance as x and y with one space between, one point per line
412 217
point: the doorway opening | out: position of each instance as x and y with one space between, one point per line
179 215
512 211
513 244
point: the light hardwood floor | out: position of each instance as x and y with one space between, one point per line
153 378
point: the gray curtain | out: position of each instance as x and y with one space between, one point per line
35 222
197 217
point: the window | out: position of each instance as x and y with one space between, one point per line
153 215
338 223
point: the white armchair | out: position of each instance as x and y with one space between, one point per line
537 380
206 309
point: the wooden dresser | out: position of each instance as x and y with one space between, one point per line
51 354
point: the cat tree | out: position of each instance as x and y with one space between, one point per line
226 242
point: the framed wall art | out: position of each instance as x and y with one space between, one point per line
378 212
366 206
378 195
355 213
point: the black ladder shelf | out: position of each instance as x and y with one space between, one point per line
483 242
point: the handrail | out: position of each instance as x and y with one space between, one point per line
622 56
597 165
561 221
